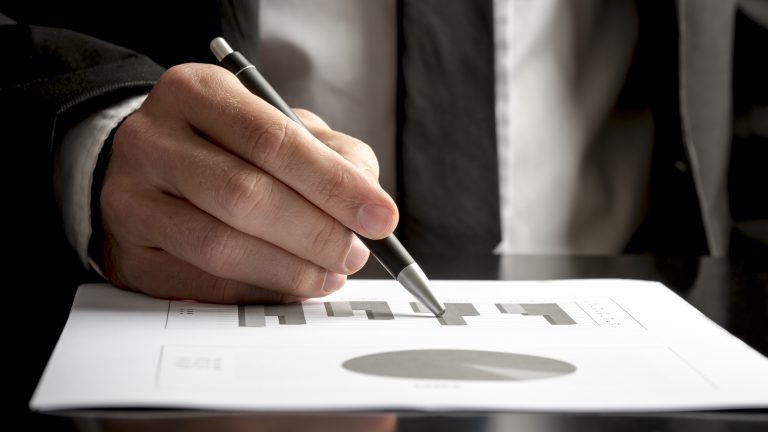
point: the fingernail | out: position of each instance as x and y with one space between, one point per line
358 255
375 220
333 281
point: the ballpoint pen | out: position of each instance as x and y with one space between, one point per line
389 251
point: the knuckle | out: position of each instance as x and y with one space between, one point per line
245 192
178 79
187 85
268 143
352 144
362 145
371 163
367 151
335 184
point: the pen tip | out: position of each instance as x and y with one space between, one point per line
440 313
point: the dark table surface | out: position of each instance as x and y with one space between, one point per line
733 294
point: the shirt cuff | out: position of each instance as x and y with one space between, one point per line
75 162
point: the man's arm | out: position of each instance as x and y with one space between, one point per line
210 193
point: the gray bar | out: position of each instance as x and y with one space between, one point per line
552 312
250 316
290 314
253 315
510 308
374 310
453 312
338 309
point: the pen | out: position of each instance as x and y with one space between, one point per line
389 251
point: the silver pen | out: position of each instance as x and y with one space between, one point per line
389 251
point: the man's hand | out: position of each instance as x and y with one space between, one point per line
212 194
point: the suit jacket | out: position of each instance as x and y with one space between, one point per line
714 58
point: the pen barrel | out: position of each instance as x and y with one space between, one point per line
390 253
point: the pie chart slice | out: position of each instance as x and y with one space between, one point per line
462 365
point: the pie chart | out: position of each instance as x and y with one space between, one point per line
462 365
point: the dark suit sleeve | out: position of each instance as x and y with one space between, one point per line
49 80
748 177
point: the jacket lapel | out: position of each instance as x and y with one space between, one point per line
706 52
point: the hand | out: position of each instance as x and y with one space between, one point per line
214 195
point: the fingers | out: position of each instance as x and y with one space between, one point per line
255 203
224 111
205 254
240 195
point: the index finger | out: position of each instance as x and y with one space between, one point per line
218 105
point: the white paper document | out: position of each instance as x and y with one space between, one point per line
571 345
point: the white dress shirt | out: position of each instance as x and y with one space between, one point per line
573 175
573 178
